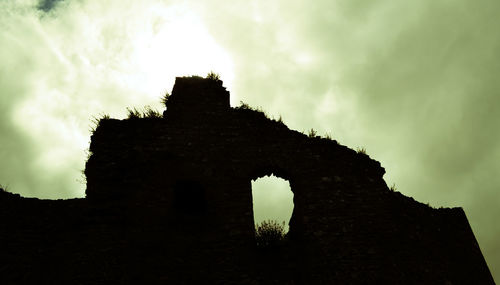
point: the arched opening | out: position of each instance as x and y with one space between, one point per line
272 200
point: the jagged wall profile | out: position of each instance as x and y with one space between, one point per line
169 200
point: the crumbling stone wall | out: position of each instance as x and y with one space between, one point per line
175 193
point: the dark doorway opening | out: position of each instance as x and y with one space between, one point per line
189 198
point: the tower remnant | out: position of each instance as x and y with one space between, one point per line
169 200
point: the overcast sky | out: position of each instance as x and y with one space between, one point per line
414 82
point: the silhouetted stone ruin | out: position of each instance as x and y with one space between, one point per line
169 201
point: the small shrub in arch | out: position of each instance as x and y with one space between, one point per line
269 234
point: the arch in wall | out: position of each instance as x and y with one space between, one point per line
272 199
295 226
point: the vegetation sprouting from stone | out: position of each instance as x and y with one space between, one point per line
133 113
328 136
312 133
165 98
213 76
146 113
151 113
361 150
393 187
269 234
96 120
245 106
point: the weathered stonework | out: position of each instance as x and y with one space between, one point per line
169 201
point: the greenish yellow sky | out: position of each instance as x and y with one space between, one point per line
414 82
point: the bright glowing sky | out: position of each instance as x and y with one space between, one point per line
414 82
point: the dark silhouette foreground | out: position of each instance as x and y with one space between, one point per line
169 201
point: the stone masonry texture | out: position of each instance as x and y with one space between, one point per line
169 201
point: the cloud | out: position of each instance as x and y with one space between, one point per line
47 5
83 59
415 83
